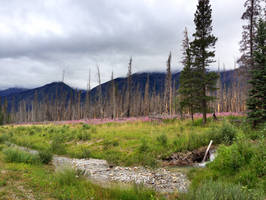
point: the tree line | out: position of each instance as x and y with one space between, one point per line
200 90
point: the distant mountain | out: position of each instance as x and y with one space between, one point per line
50 91
10 91
57 89
156 82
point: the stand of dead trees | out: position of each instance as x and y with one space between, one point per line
115 103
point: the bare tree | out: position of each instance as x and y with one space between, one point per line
100 96
113 96
147 97
129 87
168 87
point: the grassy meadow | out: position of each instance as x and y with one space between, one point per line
238 172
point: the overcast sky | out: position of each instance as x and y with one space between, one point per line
40 38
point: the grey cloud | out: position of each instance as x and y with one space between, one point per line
38 39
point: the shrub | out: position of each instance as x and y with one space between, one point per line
57 146
66 176
19 156
258 161
246 178
143 147
2 146
31 132
3 138
108 144
145 156
83 152
162 139
86 126
229 159
3 183
83 135
45 156
227 133
114 157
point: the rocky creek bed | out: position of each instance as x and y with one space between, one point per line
162 180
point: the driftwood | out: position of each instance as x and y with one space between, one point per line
206 153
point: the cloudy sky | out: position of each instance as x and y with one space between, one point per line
41 38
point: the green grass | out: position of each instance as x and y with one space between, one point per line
41 182
237 173
119 143
45 156
18 156
243 163
213 190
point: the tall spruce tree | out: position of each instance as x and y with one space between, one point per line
187 88
257 95
251 15
202 49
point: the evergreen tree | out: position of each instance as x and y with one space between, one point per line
202 47
257 95
187 84
251 15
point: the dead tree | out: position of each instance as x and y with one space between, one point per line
100 96
129 88
168 87
113 90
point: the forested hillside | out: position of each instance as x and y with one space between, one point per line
58 101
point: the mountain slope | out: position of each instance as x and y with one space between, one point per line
11 91
60 89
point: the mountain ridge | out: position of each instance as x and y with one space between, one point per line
56 89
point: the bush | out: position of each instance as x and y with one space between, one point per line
145 155
246 178
211 190
66 176
108 144
226 134
45 156
57 146
83 135
162 139
243 162
86 126
3 138
19 156
82 152
143 147
258 161
229 159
